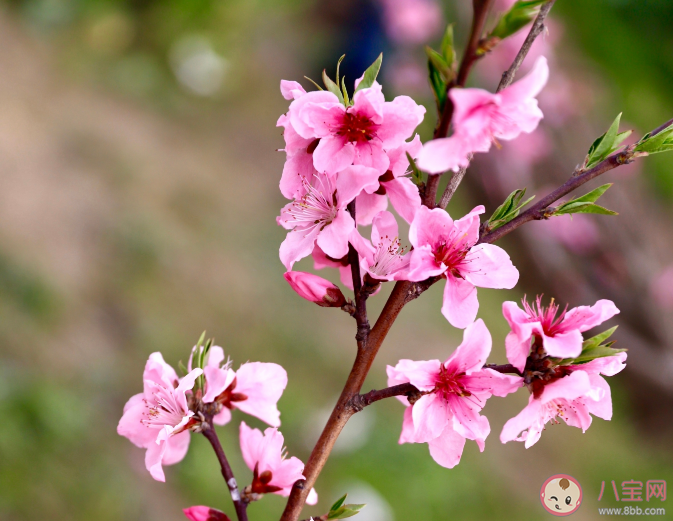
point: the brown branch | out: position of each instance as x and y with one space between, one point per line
506 368
538 27
470 57
360 296
360 401
227 473
451 187
540 210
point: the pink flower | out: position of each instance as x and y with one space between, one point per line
159 419
358 134
291 89
202 513
480 117
321 216
453 394
254 389
394 184
383 258
573 398
298 167
322 261
448 248
315 289
264 454
561 336
412 21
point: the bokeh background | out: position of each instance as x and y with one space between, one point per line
138 191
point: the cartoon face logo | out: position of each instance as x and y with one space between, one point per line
561 495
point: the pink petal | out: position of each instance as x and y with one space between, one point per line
407 435
473 352
608 365
517 351
297 245
315 289
468 227
215 356
297 168
521 422
333 239
291 89
301 108
176 448
263 384
569 387
422 374
199 513
251 444
466 419
367 206
371 154
460 304
217 380
153 457
353 180
529 86
400 118
431 414
130 425
471 115
440 155
312 498
333 154
369 103
492 382
447 448
404 197
423 264
563 345
286 474
384 226
603 406
584 318
489 266
223 417
430 227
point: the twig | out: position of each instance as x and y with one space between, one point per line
451 187
360 401
360 296
506 368
538 27
227 473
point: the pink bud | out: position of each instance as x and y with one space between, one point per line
315 289
205 514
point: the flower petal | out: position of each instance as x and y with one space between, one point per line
460 304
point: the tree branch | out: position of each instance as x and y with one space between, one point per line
360 296
451 187
360 401
538 27
227 473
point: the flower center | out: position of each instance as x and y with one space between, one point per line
357 128
165 411
451 254
389 257
318 207
450 383
546 315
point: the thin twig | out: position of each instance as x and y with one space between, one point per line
451 187
538 27
506 368
360 401
360 296
227 473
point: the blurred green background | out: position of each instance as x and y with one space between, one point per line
138 192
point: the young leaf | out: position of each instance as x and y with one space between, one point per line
438 84
661 142
332 87
338 65
519 15
345 511
509 209
593 348
593 196
347 101
446 48
606 144
439 62
370 74
585 203
598 339
314 83
416 175
338 503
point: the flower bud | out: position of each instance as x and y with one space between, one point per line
202 513
315 289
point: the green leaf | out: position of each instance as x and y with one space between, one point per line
509 209
338 65
416 175
370 74
593 348
338 503
661 142
314 83
332 87
570 208
345 511
446 47
438 85
593 196
347 101
519 15
606 144
439 62
598 339
182 368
